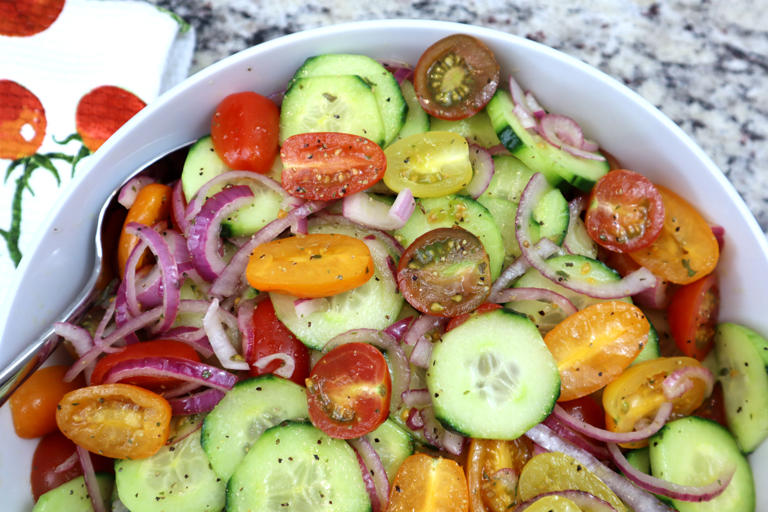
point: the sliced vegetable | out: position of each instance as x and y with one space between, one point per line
692 315
429 484
487 481
151 205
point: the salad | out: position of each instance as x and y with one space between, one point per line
402 289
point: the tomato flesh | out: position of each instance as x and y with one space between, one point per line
488 492
270 336
625 212
325 166
244 131
156 348
445 272
485 307
456 77
429 484
692 315
348 391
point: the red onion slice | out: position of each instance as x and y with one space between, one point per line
305 307
584 500
398 329
129 278
68 463
363 232
680 381
438 436
227 179
182 389
565 133
533 105
606 436
373 463
421 327
79 337
220 342
636 498
590 145
576 230
182 369
192 336
203 240
630 284
179 207
91 483
414 421
398 363
101 329
184 426
400 70
370 486
285 370
578 440
670 489
130 190
540 294
655 297
482 170
421 353
416 398
201 402
498 149
246 327
544 248
370 212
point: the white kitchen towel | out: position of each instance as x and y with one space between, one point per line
123 52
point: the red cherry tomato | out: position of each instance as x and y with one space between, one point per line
102 111
586 409
244 131
52 451
445 272
327 165
485 307
348 391
271 336
22 120
155 348
692 315
713 407
456 77
625 211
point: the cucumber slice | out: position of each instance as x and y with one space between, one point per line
640 459
510 176
651 350
298 468
393 445
493 377
73 496
503 213
178 478
477 129
455 210
416 120
745 384
374 305
245 412
343 103
569 266
389 98
557 165
202 164
694 451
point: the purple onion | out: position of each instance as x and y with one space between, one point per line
482 169
130 190
182 369
198 403
372 463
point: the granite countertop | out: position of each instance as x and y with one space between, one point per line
703 63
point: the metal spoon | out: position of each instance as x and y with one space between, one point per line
108 225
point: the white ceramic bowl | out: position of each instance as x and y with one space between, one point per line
626 125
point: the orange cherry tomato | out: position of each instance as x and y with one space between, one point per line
325 166
692 315
429 484
593 346
33 404
154 348
487 491
686 249
456 77
120 421
152 204
348 391
625 211
634 398
244 131
315 265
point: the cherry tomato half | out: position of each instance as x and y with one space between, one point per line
692 315
154 348
686 249
244 130
315 265
594 345
456 77
120 421
271 336
348 391
428 484
327 165
445 272
586 409
33 404
485 307
625 211
488 491
152 204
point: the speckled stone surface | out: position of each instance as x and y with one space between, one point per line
704 63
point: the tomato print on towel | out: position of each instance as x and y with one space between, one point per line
23 18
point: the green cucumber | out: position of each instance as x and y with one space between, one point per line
178 478
493 377
651 350
343 103
298 468
745 384
202 164
393 444
416 120
556 164
456 210
73 496
503 213
694 451
389 98
477 129
246 411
